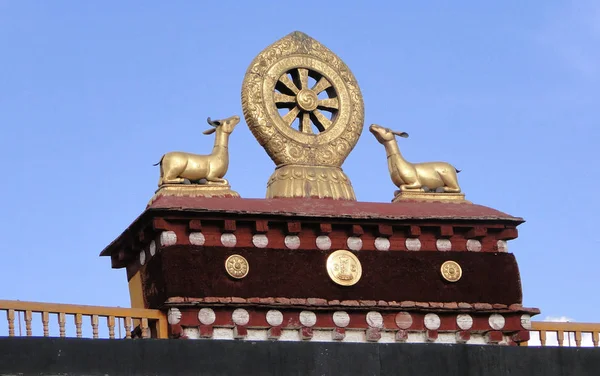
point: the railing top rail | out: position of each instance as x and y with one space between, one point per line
19 305
565 326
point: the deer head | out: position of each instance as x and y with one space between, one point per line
385 134
226 125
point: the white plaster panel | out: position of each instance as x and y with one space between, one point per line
355 336
446 338
387 337
416 337
222 333
191 333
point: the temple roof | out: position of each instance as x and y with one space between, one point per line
291 207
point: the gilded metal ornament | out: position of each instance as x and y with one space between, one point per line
451 271
176 167
344 268
237 266
439 179
193 175
305 108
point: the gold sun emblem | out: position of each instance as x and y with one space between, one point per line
237 266
451 271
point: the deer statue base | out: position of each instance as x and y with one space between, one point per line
402 196
194 190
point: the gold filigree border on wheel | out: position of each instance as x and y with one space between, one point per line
283 144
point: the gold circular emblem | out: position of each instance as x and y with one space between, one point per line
237 266
344 268
451 271
302 103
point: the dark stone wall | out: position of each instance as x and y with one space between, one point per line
52 356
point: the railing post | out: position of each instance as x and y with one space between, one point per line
28 316
162 327
45 322
10 316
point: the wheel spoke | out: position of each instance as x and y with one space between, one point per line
321 85
303 78
305 125
286 86
328 104
284 101
321 122
291 116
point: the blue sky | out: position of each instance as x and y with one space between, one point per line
93 93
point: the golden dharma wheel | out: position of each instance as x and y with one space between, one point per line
302 103
305 108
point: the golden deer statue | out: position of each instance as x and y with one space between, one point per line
436 176
177 166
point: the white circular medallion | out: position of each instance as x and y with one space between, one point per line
443 245
404 320
308 318
228 239
374 319
152 248
274 317
207 316
323 242
526 321
382 244
341 319
413 244
142 257
496 321
240 316
168 238
464 321
173 316
292 241
473 245
260 240
354 243
502 246
197 238
432 321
